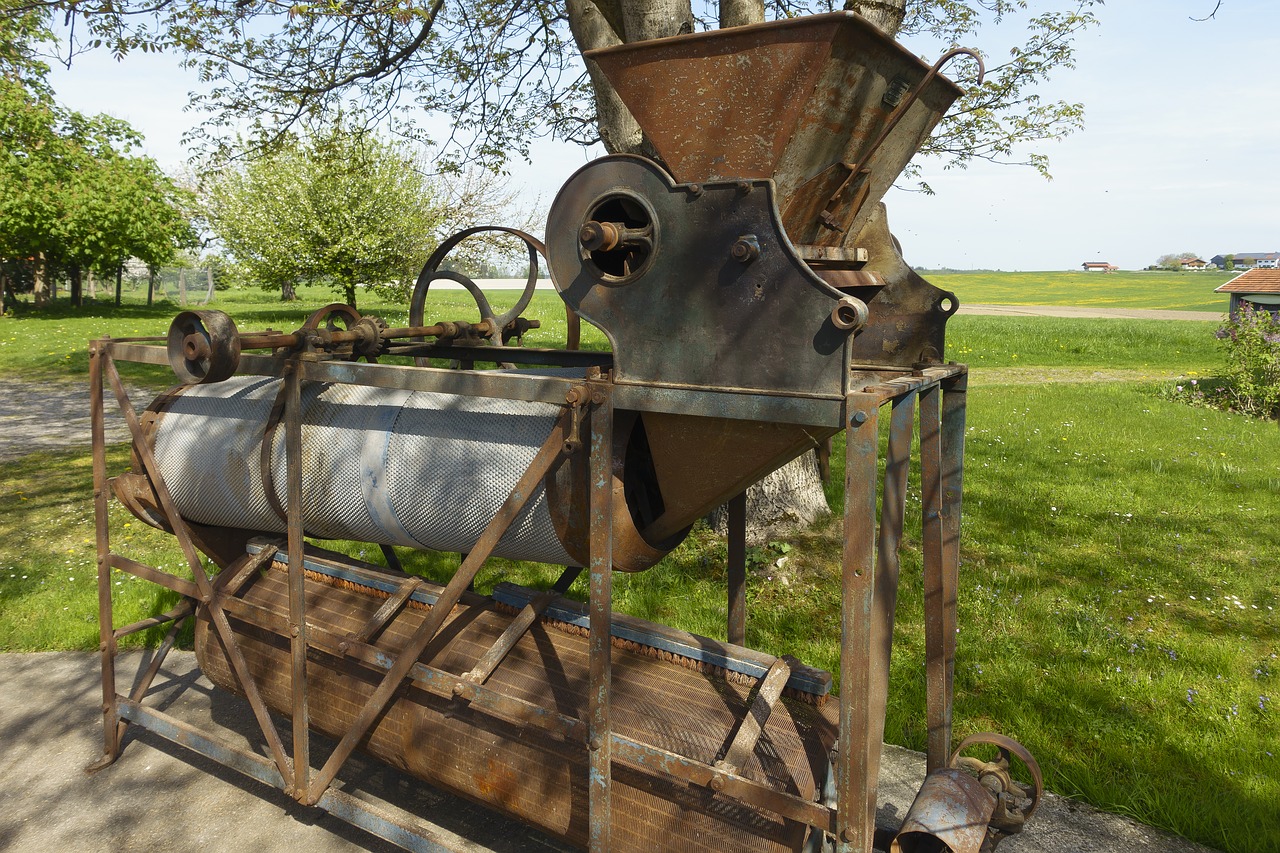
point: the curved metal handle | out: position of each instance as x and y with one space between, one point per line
1007 746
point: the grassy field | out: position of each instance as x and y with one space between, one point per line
1118 587
1178 291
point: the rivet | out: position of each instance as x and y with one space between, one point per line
717 783
859 418
595 743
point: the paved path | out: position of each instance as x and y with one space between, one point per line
159 797
55 415
1096 313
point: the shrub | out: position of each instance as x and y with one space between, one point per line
1251 339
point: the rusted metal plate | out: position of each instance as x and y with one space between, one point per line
687 309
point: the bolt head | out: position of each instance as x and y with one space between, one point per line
595 743
717 783
859 418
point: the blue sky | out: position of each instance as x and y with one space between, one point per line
1180 151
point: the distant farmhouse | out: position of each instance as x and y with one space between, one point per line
1248 260
1099 266
1258 287
1193 264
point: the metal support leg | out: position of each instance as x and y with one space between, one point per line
599 737
737 522
857 772
939 585
889 539
99 351
297 584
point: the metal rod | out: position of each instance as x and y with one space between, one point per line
857 775
288 340
939 599
144 684
953 425
393 560
301 716
384 614
507 513
182 586
737 524
749 731
183 610
600 646
519 626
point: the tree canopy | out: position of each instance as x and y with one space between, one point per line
504 73
75 197
340 206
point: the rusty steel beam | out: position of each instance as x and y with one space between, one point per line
861 686
301 716
519 626
939 589
99 352
737 569
600 644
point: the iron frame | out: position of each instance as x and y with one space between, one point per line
870 569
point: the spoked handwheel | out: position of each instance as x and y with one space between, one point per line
431 272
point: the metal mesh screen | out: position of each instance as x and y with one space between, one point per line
379 465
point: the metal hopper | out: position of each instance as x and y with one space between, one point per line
826 106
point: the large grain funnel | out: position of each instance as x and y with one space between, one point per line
826 106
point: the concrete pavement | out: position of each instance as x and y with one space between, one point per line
160 797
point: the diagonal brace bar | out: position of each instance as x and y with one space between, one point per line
519 626
440 611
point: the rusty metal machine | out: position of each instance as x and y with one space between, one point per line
743 332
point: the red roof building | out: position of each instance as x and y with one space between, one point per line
1258 287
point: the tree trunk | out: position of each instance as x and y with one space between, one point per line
119 277
788 500
77 287
40 280
151 284
287 293
182 288
739 13
4 284
208 272
885 14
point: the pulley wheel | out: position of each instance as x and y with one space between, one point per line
203 347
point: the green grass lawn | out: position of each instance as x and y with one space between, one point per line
1178 291
1118 587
